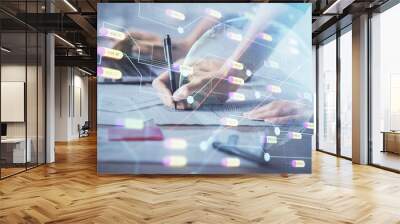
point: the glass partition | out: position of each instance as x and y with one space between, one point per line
22 91
14 153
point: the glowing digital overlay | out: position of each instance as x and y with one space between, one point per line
236 97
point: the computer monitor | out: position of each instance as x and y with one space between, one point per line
3 129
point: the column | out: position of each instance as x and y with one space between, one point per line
360 90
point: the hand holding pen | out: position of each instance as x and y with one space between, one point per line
173 75
167 83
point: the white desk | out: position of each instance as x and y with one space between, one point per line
19 149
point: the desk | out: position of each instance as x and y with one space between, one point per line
13 150
391 141
147 157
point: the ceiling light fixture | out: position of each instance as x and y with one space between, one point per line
5 50
70 5
337 7
64 40
84 71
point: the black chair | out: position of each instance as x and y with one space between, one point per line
84 130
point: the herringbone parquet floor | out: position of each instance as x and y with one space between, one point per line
70 191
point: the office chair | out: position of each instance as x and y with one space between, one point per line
84 130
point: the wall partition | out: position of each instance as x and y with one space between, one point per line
22 88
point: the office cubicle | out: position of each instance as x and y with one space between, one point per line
22 77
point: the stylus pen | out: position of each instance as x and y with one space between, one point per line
233 150
168 59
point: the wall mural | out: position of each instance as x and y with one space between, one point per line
204 88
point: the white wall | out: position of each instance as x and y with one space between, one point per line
13 73
16 73
71 94
61 103
33 127
80 109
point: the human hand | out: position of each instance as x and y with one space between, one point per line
282 112
161 85
150 44
209 82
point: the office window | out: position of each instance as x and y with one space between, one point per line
327 96
385 87
346 93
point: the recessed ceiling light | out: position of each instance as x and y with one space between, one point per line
70 5
338 6
64 40
84 71
5 50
